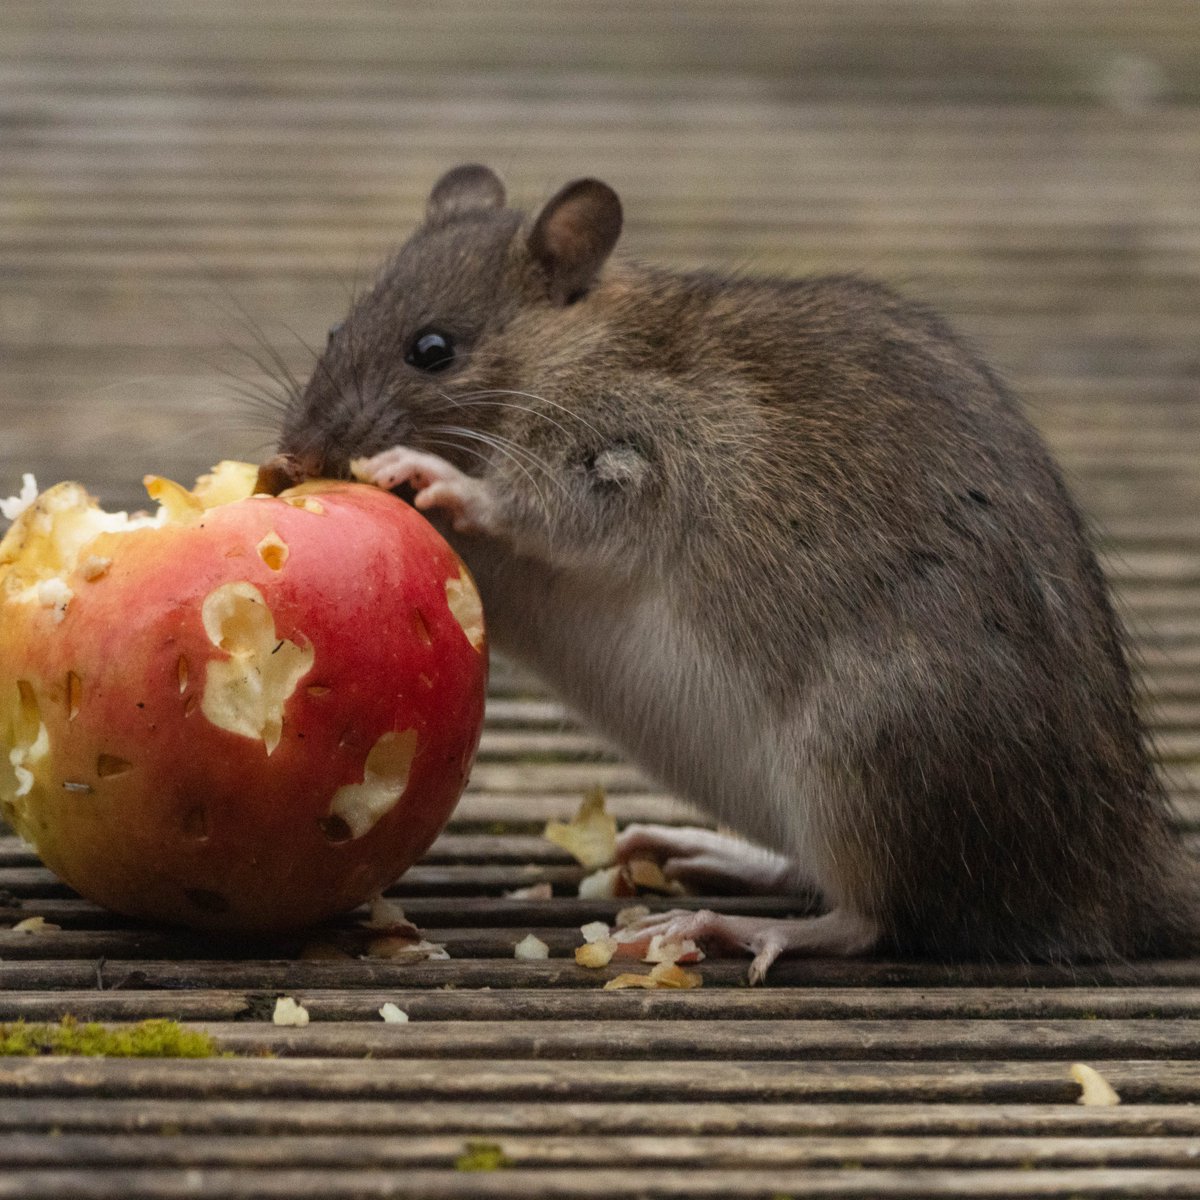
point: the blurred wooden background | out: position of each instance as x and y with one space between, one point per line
173 174
184 180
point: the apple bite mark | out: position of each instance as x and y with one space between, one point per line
30 742
246 692
360 806
466 607
273 550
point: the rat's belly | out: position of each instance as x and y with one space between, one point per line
641 676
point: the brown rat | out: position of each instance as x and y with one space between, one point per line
793 547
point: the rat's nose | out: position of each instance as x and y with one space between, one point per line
285 470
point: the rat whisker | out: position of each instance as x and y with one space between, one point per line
484 396
514 453
445 443
264 343
459 404
254 392
499 442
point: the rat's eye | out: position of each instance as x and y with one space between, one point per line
430 350
334 330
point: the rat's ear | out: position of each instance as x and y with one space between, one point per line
469 188
574 234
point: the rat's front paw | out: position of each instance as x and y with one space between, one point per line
466 502
705 861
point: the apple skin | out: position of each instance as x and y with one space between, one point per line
205 828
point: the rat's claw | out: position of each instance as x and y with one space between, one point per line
769 947
840 932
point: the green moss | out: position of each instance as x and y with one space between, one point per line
147 1039
482 1156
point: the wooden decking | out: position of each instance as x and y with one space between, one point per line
181 179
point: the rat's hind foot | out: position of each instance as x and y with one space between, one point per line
841 933
704 860
466 502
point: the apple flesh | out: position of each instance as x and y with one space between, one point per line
247 712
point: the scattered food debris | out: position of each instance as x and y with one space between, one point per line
660 950
35 925
591 836
386 914
606 884
1097 1091
288 1012
665 975
14 506
596 954
531 947
405 949
393 1015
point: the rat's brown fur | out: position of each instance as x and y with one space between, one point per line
796 548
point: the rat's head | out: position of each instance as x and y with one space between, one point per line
431 338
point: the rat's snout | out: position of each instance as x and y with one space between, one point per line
335 421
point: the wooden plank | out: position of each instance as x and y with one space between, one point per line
276 975
646 1183
1160 1081
352 1118
631 1040
105 1152
362 1003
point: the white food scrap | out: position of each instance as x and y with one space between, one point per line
393 1015
14 506
1096 1090
599 945
386 914
660 950
288 1012
531 947
55 595
608 883
591 836
405 949
35 925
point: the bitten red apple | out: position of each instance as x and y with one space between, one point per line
246 713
